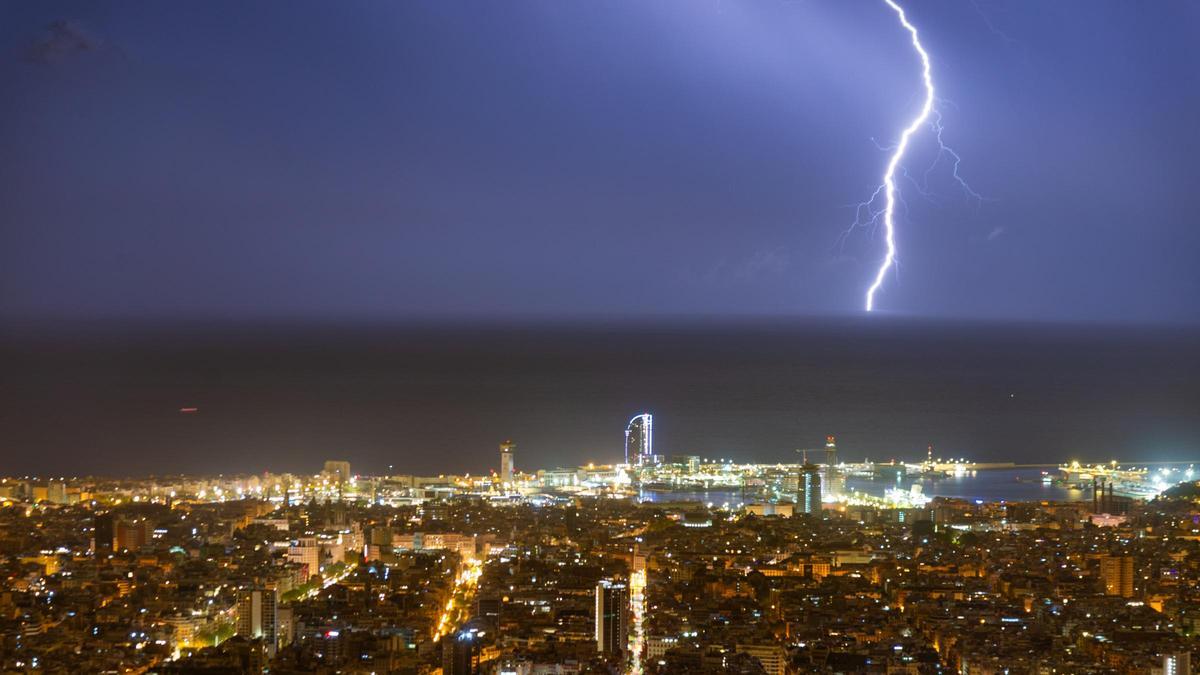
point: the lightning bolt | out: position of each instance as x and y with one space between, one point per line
867 212
889 177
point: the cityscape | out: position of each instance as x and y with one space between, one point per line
599 337
653 564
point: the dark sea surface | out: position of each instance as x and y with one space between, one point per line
991 485
430 399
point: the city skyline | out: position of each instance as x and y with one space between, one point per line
245 575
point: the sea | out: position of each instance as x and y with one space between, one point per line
439 398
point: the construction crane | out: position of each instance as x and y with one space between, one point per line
804 453
830 451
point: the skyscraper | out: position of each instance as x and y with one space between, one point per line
832 480
103 531
460 653
808 489
639 440
506 461
257 616
612 617
1117 573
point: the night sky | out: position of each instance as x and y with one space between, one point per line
362 229
384 159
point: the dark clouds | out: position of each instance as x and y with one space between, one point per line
62 40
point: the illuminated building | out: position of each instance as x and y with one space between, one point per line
306 551
808 489
132 535
832 478
1117 573
639 440
184 628
506 461
612 617
554 478
338 470
466 545
773 657
56 492
1177 664
257 617
768 509
689 463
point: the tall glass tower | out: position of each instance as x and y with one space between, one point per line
612 617
808 489
639 440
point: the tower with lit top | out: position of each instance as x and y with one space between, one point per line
506 461
832 479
